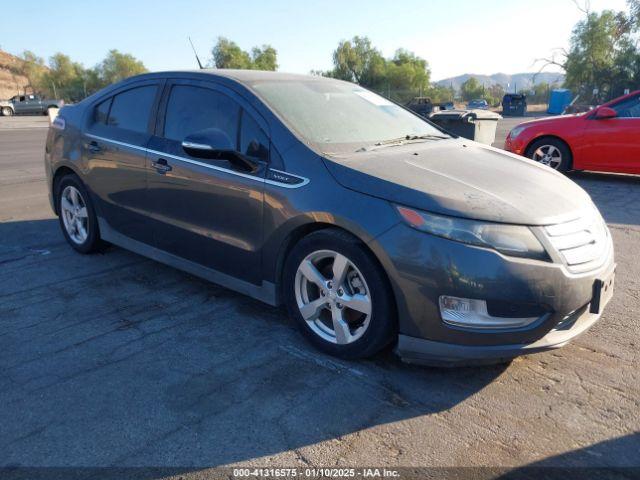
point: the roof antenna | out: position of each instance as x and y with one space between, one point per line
194 52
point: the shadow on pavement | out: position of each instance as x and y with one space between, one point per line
612 459
116 360
617 196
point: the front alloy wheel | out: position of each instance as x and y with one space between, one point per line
333 297
548 155
552 152
339 295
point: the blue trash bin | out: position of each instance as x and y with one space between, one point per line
559 100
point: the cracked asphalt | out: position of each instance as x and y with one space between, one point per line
116 360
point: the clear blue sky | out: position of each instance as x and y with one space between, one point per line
455 36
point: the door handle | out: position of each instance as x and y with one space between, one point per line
161 166
94 147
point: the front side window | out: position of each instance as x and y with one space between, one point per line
336 115
629 108
131 109
192 109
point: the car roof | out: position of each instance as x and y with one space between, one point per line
246 77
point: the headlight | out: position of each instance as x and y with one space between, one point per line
514 240
516 131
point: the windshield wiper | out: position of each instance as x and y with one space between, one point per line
402 141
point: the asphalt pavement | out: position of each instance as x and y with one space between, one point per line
116 360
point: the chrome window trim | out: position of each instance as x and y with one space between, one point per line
304 182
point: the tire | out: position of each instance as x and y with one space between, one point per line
7 111
552 152
362 304
89 241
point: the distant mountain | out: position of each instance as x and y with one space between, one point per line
519 80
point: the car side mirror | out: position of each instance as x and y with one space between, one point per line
214 144
605 112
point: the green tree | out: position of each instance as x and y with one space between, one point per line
117 66
495 92
406 74
265 58
603 54
634 10
439 93
356 60
65 78
34 68
472 89
227 54
401 77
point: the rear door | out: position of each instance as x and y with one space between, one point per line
612 143
115 141
208 211
32 104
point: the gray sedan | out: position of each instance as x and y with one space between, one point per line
371 225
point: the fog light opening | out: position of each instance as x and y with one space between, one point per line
472 313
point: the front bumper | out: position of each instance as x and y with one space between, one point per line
516 145
423 267
426 352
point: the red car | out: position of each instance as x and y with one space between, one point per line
606 139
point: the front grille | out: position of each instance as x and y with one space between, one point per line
582 244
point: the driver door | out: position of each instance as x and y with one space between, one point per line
611 144
202 210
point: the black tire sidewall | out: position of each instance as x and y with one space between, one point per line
382 326
7 109
566 162
92 242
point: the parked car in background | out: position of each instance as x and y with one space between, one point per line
373 226
28 105
423 106
478 104
604 139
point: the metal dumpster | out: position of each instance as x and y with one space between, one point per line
477 125
514 105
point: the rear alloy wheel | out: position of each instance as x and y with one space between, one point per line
552 153
77 218
339 295
7 111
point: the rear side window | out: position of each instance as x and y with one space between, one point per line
253 141
131 109
191 109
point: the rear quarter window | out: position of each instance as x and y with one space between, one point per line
101 112
131 109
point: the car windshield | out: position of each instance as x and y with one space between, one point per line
338 116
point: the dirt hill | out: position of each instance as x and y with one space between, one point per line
11 83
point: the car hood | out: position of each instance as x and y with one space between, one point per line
464 179
560 119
